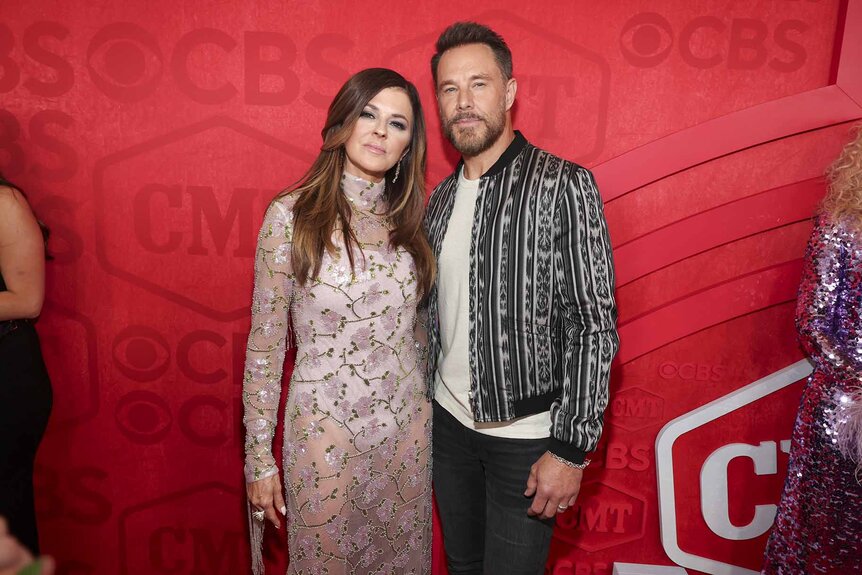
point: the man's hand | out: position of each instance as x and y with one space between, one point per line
265 495
554 486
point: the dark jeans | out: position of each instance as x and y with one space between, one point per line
25 403
479 483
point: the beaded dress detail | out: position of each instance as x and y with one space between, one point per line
357 421
818 528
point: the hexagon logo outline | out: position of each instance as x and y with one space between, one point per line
616 420
589 548
698 417
177 495
174 136
604 68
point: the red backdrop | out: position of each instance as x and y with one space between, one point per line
150 136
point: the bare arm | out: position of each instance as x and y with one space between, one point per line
22 258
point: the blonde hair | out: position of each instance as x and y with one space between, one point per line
843 199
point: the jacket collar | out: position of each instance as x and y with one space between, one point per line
518 144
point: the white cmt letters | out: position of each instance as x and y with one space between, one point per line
714 495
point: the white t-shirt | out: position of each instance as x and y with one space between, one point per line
453 292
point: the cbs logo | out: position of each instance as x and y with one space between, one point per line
210 420
209 66
692 371
647 40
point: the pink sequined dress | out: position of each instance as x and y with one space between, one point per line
357 421
818 528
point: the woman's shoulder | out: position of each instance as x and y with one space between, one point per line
841 226
10 194
285 201
12 201
280 210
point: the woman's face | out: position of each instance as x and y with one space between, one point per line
380 136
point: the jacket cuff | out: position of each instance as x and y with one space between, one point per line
567 451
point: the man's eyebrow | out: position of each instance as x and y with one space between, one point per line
481 76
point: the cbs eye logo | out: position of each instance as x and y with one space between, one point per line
141 353
124 62
143 417
647 40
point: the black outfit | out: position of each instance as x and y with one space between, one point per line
479 483
25 404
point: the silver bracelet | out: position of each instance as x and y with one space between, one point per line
568 463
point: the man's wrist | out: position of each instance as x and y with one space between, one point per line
567 451
568 463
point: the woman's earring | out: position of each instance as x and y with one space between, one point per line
397 171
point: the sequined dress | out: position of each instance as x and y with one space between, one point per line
357 428
818 527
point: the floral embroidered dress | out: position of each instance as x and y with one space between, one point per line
818 528
357 422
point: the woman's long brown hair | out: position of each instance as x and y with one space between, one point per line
322 205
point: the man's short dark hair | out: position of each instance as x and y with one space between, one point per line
463 33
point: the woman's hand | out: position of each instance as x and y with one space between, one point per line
15 559
266 495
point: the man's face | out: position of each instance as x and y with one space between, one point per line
473 97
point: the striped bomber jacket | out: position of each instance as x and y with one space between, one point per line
542 312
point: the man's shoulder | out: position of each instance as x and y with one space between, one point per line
548 158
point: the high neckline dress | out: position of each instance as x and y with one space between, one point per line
357 420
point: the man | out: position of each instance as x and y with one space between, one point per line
521 319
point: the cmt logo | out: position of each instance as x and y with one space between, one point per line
562 98
647 40
154 232
634 409
605 515
174 217
715 489
163 537
717 497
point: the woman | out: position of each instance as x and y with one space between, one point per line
25 390
818 528
343 260
16 560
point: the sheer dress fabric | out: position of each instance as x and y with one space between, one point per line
357 418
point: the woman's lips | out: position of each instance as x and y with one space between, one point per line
374 149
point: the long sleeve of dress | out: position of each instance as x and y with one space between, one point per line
819 309
268 339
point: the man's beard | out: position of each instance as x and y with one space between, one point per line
473 141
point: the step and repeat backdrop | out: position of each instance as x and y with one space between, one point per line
151 135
